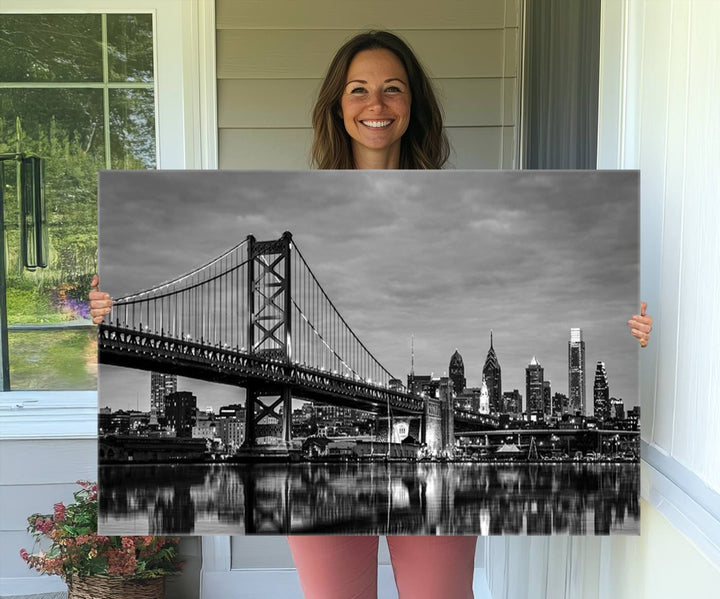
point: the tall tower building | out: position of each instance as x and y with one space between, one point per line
456 372
534 377
601 393
547 398
484 398
493 378
161 385
576 372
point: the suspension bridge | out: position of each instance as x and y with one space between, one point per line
257 317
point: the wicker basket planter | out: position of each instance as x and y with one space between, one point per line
116 587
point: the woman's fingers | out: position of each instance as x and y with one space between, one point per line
100 302
641 325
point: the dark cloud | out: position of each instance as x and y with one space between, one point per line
445 255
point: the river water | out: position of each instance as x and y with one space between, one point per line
364 498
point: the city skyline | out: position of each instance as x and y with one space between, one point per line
390 265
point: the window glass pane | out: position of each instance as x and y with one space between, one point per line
52 342
50 48
53 359
130 47
65 127
132 128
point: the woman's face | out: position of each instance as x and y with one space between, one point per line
375 103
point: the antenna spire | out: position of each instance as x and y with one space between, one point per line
412 355
490 338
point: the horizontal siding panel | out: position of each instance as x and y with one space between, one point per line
11 564
510 160
475 147
512 13
261 103
512 52
510 110
289 149
39 462
270 54
276 149
19 501
472 102
279 103
369 14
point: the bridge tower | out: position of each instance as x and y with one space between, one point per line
269 327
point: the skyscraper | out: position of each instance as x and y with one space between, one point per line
576 372
484 398
601 393
547 399
161 385
493 378
456 372
534 377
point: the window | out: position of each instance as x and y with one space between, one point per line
78 91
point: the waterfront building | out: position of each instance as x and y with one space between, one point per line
180 410
424 384
512 402
161 385
493 378
576 372
204 426
617 408
601 393
534 377
456 372
560 404
469 399
231 432
232 411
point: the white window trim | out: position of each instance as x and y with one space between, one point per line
186 124
688 503
185 78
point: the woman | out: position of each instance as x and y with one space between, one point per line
377 110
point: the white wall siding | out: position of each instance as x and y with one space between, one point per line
271 60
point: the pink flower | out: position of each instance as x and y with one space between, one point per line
44 526
59 512
128 543
24 555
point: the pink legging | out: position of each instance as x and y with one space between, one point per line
338 567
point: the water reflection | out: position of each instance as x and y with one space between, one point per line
396 498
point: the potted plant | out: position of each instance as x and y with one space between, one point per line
94 565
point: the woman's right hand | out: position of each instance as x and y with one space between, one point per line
100 302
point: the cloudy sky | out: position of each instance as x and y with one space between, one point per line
443 255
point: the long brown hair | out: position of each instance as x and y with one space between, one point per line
424 144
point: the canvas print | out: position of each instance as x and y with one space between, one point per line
369 352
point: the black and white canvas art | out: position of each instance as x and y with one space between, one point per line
369 352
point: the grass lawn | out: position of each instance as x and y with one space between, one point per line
53 359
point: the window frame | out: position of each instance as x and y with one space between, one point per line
186 138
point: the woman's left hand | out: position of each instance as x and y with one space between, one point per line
641 325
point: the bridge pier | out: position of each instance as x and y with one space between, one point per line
256 410
250 403
286 396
